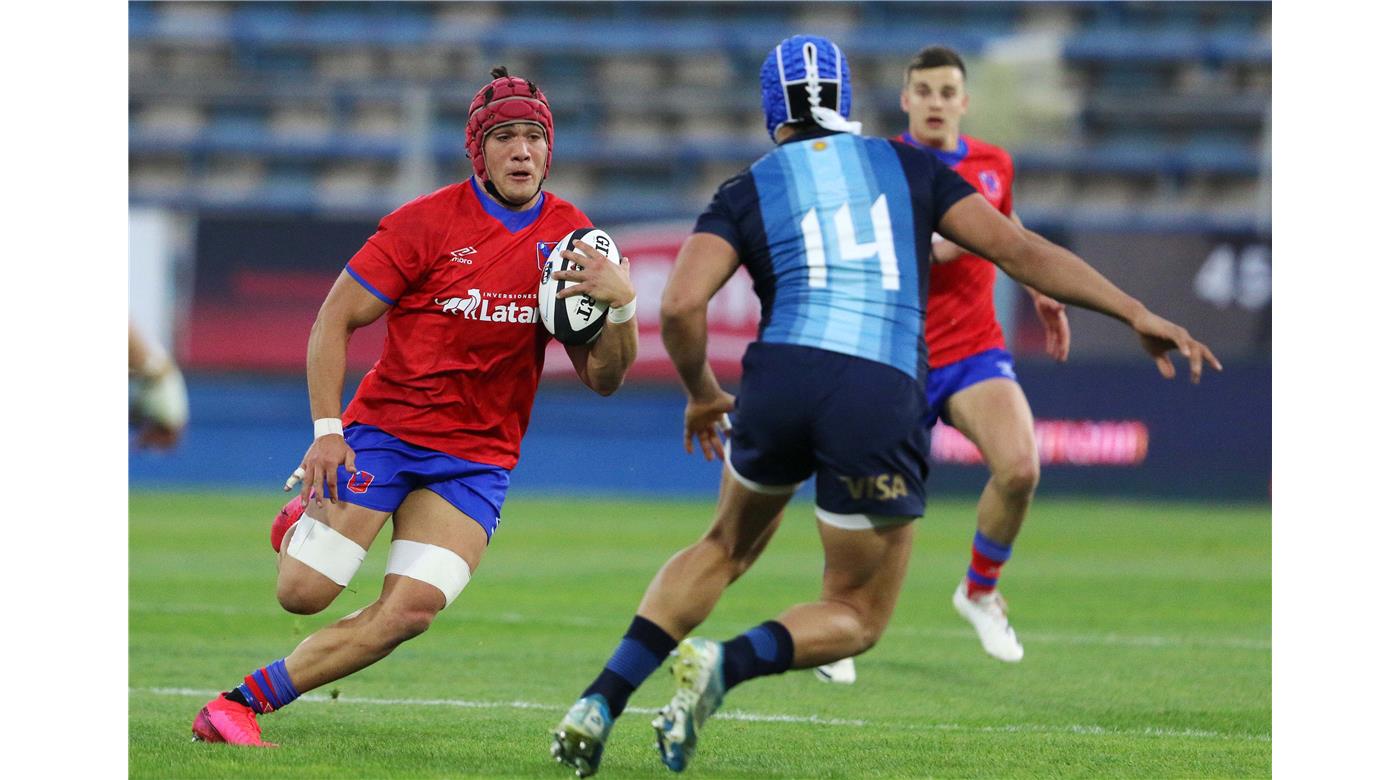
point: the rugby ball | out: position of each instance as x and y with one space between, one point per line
577 319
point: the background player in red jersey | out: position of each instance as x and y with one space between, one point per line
435 426
971 382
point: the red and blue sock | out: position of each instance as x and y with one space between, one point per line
762 650
266 689
642 649
987 559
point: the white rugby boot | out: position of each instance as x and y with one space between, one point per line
843 671
699 676
579 738
987 614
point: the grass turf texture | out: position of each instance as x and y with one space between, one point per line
1146 626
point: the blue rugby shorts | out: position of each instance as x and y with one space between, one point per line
855 423
943 383
390 469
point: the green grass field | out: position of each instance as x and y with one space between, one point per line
1146 627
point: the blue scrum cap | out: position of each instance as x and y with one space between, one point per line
807 77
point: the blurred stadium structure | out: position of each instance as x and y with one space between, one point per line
266 139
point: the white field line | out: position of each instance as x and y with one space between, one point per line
515 618
752 717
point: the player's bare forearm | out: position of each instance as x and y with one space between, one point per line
1033 261
348 307
325 368
607 360
1064 276
684 335
704 264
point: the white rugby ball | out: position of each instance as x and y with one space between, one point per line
577 319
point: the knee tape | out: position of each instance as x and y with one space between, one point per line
437 566
324 549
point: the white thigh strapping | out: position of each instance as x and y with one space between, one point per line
437 566
324 549
861 522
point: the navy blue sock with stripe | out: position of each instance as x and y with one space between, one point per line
267 689
642 649
762 650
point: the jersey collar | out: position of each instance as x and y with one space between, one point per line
513 221
947 158
807 135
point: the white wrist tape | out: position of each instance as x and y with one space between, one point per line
437 566
328 425
621 314
324 549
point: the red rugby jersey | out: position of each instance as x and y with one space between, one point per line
464 349
962 317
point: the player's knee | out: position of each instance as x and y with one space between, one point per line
319 562
402 622
300 597
1020 476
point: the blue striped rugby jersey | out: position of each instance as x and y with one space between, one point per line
836 231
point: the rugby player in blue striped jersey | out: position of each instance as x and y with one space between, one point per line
835 229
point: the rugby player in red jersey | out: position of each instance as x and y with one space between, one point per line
435 426
971 380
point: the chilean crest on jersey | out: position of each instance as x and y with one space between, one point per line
543 249
991 183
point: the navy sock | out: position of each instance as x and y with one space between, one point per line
641 651
762 650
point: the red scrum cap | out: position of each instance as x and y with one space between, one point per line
505 100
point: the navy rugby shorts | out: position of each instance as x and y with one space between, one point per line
390 469
855 423
943 383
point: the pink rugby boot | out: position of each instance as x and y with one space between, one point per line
222 720
286 519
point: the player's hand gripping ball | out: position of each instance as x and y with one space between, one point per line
577 319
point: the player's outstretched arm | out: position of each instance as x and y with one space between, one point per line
602 365
1032 260
1050 311
704 264
347 307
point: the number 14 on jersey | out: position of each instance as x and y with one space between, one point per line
848 249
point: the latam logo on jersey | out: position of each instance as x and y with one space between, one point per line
493 307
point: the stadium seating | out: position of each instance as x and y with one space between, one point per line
1115 111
